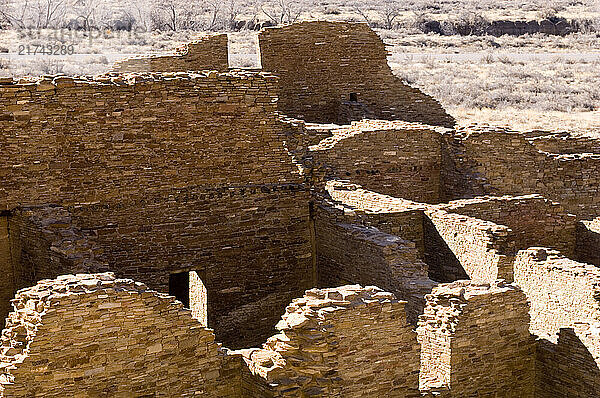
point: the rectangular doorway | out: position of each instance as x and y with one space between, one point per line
189 288
179 286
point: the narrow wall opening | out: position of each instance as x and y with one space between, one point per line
353 97
189 288
179 286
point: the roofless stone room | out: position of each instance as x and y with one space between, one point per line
314 228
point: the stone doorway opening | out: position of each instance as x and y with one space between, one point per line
179 286
189 288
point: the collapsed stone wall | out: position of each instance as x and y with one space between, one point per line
533 220
101 336
475 340
323 66
512 165
208 53
393 158
352 254
327 344
588 242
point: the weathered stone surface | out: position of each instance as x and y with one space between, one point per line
210 52
320 64
475 341
588 242
200 183
94 335
348 341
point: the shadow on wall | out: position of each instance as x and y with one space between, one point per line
566 369
443 265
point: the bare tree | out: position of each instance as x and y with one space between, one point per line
85 11
214 11
389 12
48 12
364 14
386 12
233 10
15 14
283 11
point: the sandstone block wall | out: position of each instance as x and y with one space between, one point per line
327 346
512 165
79 141
533 220
349 254
393 158
391 215
562 292
475 340
321 63
208 53
462 247
571 367
565 143
249 242
149 165
94 335
7 290
565 314
588 242
44 242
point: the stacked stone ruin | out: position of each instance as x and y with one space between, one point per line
317 228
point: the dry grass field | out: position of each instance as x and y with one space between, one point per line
527 82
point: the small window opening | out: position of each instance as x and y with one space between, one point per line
353 97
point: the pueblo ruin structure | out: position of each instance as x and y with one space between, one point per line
315 228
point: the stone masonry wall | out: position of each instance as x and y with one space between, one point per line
249 242
391 215
348 254
571 367
534 220
565 143
562 292
321 63
7 290
512 165
588 242
95 335
475 340
341 342
565 314
393 158
461 247
171 172
208 53
46 243
80 141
